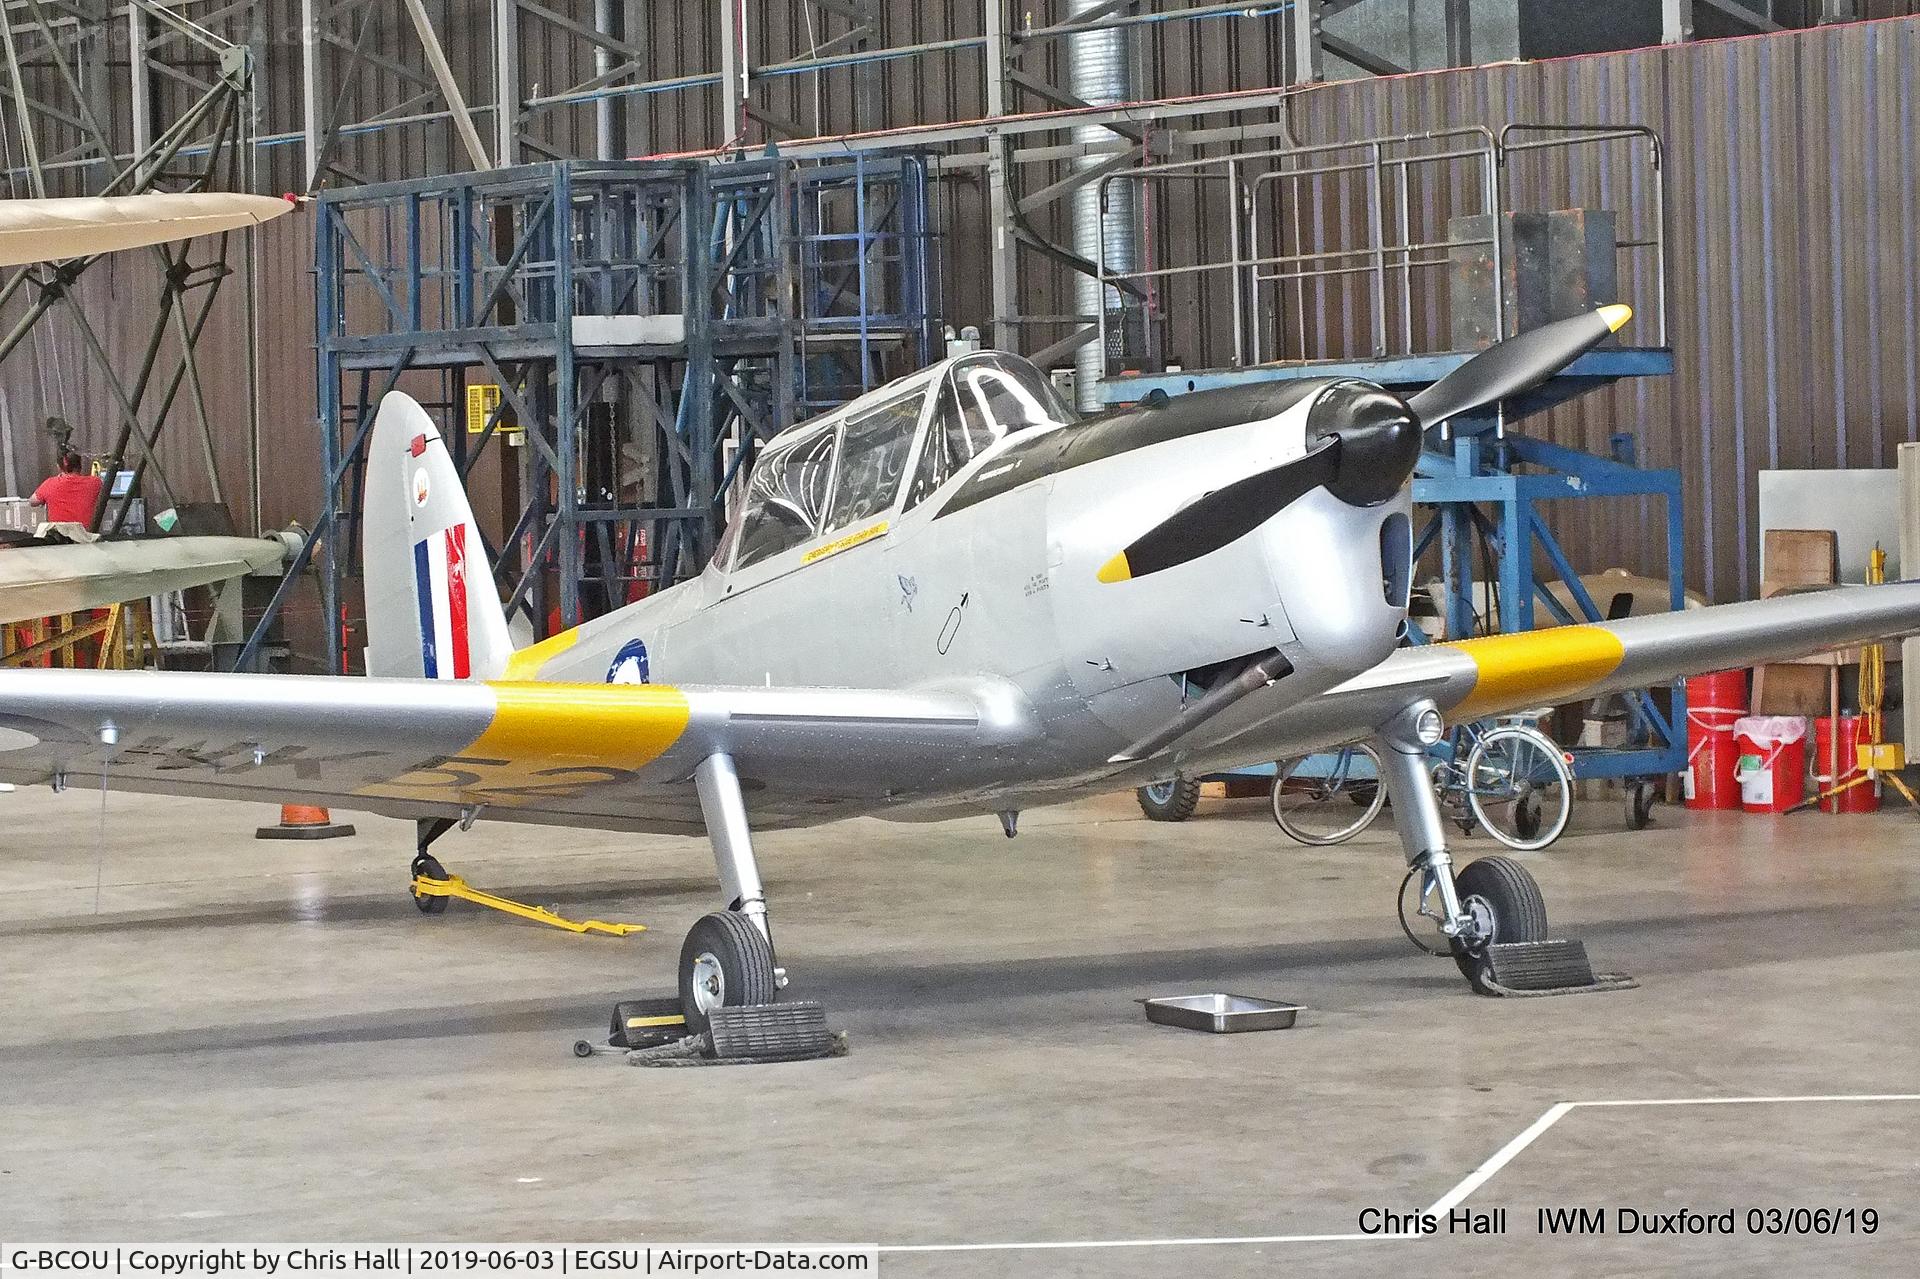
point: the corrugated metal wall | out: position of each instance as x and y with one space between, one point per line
1791 180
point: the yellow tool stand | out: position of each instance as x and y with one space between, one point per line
1875 757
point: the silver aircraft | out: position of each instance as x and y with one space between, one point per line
948 597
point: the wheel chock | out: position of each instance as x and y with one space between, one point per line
454 886
647 1023
771 1032
755 1034
1557 967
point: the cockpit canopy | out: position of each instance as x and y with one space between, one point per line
833 473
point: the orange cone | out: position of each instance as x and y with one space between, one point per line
303 821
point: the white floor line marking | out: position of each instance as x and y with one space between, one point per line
1446 1203
1500 1159
1754 1101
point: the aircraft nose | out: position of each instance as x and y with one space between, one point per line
1378 441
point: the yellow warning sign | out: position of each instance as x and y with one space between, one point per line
482 400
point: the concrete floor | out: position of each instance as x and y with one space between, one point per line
207 1037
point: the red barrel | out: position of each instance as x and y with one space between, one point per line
1861 798
1714 702
1773 762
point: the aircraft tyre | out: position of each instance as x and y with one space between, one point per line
428 903
1170 801
725 962
1506 903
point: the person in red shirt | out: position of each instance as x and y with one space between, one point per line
70 496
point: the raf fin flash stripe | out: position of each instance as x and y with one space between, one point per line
440 585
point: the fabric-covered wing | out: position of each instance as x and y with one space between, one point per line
71 227
42 581
1476 678
619 757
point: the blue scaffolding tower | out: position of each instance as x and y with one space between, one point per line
636 329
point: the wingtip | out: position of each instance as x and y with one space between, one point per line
1616 316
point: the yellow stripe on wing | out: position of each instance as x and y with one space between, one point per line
550 741
1536 668
624 725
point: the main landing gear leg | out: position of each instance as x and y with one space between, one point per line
727 959
1493 899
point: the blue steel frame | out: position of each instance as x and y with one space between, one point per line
484 275
1474 489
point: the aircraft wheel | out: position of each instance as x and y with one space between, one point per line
1170 801
725 962
428 903
1639 804
1506 906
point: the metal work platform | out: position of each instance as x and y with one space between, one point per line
1410 243
610 341
1406 374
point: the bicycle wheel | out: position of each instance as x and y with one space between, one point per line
1328 798
1519 787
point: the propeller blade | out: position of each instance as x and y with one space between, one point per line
1223 515
1363 443
1518 364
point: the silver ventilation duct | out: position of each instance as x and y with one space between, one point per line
1099 71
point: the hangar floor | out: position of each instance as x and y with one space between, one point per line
207 1037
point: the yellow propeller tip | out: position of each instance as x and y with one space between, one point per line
1616 315
1116 569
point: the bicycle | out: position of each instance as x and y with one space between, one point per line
1330 797
1511 780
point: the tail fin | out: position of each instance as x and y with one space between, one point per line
432 610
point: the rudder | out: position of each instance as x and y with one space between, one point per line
432 610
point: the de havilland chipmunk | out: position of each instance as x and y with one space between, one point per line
949 597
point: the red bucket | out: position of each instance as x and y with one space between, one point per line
1863 797
1772 768
1714 702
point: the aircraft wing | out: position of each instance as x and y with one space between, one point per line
1472 679
45 581
1480 677
618 757
54 229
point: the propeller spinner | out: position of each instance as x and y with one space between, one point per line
1363 442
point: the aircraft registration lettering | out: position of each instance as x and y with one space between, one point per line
846 543
496 781
548 741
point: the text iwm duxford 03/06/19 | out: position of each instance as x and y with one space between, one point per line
947 597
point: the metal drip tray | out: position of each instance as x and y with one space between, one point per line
1221 1014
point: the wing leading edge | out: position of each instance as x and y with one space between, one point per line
1471 679
613 756
1500 673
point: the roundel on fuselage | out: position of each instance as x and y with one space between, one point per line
630 664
